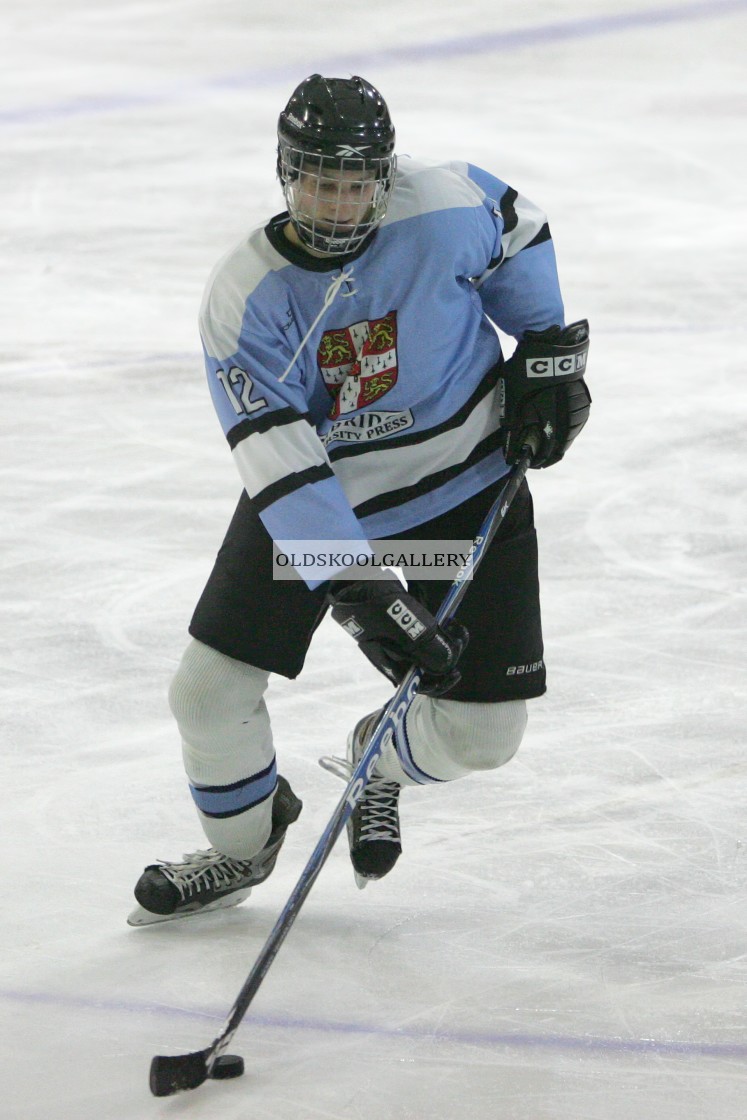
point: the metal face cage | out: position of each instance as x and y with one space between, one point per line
334 203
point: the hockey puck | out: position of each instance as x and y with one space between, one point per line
228 1065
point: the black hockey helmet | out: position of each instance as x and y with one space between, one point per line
335 136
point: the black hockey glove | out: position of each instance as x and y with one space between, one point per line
395 632
545 391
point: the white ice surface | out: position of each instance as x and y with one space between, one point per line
564 939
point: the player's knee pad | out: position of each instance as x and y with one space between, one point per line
211 692
484 736
219 707
450 738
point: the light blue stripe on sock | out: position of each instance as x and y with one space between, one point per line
227 801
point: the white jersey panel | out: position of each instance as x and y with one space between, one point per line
264 458
424 188
389 469
231 285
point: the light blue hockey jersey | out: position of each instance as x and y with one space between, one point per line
360 396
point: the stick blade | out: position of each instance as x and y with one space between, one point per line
169 1075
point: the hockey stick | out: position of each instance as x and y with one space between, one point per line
169 1075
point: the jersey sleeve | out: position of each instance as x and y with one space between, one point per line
519 289
263 410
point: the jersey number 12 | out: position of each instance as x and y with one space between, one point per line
239 385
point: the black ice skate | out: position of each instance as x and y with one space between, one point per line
373 827
208 880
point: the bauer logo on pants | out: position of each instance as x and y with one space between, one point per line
520 670
556 367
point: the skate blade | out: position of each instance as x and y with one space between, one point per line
361 881
142 917
340 767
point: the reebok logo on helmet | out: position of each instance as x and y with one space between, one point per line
345 150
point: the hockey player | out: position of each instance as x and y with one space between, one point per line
354 365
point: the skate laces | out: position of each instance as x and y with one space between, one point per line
208 870
378 817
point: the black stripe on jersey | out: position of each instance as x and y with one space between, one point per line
455 421
432 481
289 483
508 211
543 235
246 428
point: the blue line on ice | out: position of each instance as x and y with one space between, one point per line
484 1038
488 43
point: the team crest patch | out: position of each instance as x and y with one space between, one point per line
359 363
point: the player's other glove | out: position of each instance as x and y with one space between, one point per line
545 392
395 632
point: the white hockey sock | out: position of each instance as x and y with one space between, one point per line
447 739
227 747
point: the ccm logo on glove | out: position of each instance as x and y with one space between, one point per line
406 619
395 631
556 367
545 398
